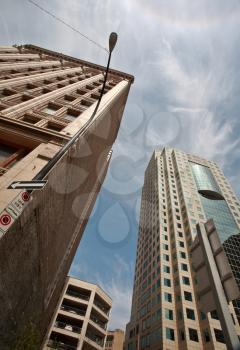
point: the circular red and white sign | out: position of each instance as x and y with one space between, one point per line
5 219
25 196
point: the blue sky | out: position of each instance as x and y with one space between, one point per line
185 59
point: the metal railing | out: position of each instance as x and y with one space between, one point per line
77 295
55 344
73 310
68 327
95 338
98 322
101 307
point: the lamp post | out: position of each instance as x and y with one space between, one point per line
44 171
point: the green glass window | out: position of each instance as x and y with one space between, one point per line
166 269
170 333
190 314
186 280
188 296
219 335
169 314
184 267
168 297
193 334
167 282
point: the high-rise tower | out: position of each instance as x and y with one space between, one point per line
45 98
179 191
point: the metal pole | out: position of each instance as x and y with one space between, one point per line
230 335
44 171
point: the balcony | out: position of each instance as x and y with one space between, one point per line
61 341
67 327
96 339
77 294
89 345
100 323
102 307
73 310
54 344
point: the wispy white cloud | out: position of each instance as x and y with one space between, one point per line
196 93
79 268
117 283
119 288
185 58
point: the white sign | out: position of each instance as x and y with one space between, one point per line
28 185
13 211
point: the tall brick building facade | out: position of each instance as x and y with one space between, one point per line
179 191
45 97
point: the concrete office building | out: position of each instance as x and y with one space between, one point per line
81 318
232 249
114 340
179 191
45 98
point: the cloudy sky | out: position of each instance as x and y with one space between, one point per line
185 59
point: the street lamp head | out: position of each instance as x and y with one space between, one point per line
112 41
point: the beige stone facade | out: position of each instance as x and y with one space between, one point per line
81 318
114 340
165 312
45 97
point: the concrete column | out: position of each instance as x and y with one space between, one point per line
8 48
86 319
25 65
19 56
37 77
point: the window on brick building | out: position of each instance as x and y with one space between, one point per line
193 334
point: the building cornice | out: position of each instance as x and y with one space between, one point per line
39 49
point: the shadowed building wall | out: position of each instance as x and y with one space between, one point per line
45 97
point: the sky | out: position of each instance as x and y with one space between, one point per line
185 59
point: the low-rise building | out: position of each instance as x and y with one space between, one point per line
81 318
115 340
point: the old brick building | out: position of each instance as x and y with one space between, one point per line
45 97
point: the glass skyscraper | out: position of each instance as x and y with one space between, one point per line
179 191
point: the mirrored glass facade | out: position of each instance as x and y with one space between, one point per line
204 178
216 209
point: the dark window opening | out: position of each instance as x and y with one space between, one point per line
219 335
10 155
193 334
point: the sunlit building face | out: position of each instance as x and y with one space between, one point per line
179 191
